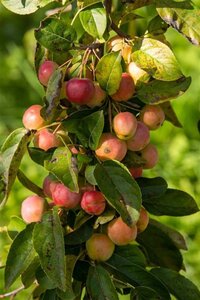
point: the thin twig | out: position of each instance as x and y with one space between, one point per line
13 293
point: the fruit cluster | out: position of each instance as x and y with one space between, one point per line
127 134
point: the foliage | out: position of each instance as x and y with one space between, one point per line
129 274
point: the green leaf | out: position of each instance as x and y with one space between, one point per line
181 287
15 225
161 250
180 18
157 59
137 4
174 235
88 128
109 72
170 114
28 276
152 187
40 56
94 21
80 234
157 26
120 189
134 274
99 284
49 243
39 156
24 7
20 255
171 203
53 94
130 254
27 183
43 280
143 293
13 151
157 91
63 166
89 174
55 35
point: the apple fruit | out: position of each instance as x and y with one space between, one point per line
143 220
152 116
140 139
110 147
99 96
93 202
80 90
126 88
125 125
32 208
150 154
32 118
45 71
120 233
46 139
63 196
99 247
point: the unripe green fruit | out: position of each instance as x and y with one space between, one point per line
152 116
32 209
99 247
120 233
125 125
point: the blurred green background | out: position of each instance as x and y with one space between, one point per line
179 148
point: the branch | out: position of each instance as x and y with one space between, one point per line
13 293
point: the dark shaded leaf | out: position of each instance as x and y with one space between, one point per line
20 255
144 293
160 248
181 287
171 203
80 235
39 156
152 187
158 91
170 114
49 244
120 189
135 275
28 276
99 284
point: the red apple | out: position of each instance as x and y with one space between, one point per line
93 202
80 90
32 118
125 125
126 88
46 70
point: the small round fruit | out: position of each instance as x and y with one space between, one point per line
46 139
137 73
143 220
136 172
110 147
126 88
140 139
62 196
120 233
93 202
152 116
99 96
80 90
32 209
150 154
32 118
46 70
99 247
49 185
125 125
